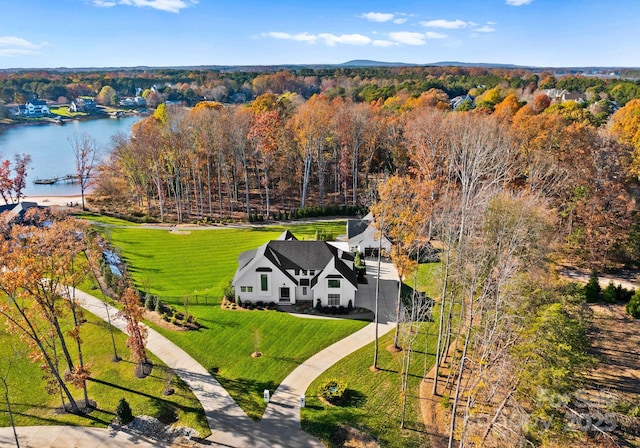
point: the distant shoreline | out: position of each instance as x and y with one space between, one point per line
16 124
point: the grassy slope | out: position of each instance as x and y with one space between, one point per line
175 266
375 403
110 382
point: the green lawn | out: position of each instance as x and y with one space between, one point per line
109 382
64 111
198 266
374 405
102 219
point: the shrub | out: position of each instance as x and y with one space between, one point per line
633 307
609 293
229 292
158 305
123 412
149 302
333 391
350 305
592 289
445 401
319 307
239 302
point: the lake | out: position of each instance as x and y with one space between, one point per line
50 151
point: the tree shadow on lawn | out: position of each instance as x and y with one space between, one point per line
248 393
144 394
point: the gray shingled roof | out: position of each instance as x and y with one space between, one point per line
356 227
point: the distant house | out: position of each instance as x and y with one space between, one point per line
362 236
459 100
136 101
562 96
577 97
289 271
86 105
35 108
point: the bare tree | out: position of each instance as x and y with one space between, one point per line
86 155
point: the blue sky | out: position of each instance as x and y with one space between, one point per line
104 33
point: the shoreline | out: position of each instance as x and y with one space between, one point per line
17 124
55 200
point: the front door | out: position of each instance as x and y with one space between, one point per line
285 295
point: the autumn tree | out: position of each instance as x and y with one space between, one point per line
33 279
107 96
401 216
85 152
12 187
133 313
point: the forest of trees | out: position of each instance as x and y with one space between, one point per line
242 84
281 156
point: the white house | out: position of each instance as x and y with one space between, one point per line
363 236
36 108
289 271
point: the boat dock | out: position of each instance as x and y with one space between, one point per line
69 178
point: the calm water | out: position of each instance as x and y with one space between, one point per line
50 151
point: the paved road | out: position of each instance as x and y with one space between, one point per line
230 426
283 411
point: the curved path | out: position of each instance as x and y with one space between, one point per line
230 426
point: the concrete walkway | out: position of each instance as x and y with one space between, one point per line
230 426
283 412
73 437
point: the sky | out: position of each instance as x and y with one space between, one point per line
160 33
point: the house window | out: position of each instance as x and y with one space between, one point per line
304 290
334 283
304 272
297 271
312 272
264 282
249 288
334 299
243 289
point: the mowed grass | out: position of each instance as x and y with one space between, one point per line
109 382
193 269
374 402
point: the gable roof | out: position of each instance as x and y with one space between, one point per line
291 254
356 227
287 236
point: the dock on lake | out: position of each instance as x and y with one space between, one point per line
69 178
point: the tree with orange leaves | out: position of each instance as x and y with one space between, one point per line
133 313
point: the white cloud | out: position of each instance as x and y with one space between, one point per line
447 24
103 3
328 39
488 28
348 39
408 38
518 2
162 5
380 17
400 20
300 37
384 43
434 35
17 46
